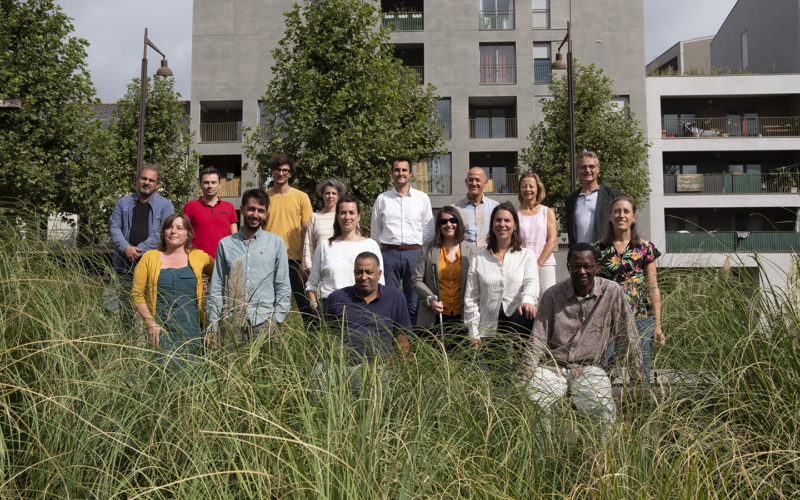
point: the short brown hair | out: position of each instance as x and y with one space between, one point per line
162 245
281 159
450 210
540 191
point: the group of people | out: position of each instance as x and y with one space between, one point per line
480 269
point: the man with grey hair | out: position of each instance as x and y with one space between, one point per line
588 206
476 209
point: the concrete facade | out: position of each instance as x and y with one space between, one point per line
687 56
725 190
231 44
759 37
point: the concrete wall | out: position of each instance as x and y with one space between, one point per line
773 37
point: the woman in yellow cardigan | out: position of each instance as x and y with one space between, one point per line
168 289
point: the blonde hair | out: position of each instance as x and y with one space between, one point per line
540 191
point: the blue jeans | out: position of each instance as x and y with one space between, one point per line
645 326
398 268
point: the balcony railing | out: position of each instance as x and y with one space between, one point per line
221 132
493 128
230 187
434 184
420 71
732 183
541 71
403 21
446 125
733 241
489 20
265 135
502 183
500 74
759 126
541 19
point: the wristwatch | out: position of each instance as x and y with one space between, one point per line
429 298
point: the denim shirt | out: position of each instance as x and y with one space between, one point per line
121 220
258 268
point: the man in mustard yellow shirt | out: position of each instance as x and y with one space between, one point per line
289 213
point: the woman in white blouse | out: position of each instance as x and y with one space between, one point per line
320 226
332 265
502 282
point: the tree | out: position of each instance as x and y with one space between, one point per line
339 102
166 142
51 149
613 134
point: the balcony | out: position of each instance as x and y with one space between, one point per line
502 183
420 71
498 74
492 128
491 20
403 21
732 183
230 187
541 71
221 132
730 241
759 126
434 175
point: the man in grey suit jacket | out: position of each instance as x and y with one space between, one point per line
587 207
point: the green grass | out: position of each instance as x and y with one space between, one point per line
88 412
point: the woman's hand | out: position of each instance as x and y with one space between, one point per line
658 336
436 305
211 339
153 331
475 342
527 310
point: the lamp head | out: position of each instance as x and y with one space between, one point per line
164 69
559 62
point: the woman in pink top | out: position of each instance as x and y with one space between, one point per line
537 225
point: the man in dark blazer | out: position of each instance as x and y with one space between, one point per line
587 208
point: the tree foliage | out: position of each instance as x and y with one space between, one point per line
339 102
166 142
615 136
51 149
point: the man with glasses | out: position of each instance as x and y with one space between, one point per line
574 324
289 213
587 208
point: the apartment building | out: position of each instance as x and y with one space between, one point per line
725 172
488 59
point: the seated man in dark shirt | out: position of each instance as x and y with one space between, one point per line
371 315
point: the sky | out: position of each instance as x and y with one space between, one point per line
115 31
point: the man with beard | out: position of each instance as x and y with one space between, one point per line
250 286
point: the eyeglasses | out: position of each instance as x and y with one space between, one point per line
281 170
451 220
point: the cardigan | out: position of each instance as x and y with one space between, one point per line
423 279
145 278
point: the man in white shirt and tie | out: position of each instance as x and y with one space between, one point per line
402 220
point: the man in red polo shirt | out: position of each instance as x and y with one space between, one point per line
212 219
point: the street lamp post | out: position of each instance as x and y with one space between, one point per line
162 71
559 64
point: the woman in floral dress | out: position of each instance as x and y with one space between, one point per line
630 260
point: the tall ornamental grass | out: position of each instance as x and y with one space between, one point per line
88 410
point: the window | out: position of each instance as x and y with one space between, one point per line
433 175
496 15
498 64
541 14
541 63
443 108
745 58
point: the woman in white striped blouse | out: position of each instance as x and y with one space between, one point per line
502 287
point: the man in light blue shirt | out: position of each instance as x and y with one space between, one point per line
475 208
249 289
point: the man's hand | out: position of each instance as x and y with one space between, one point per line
211 339
132 253
527 310
403 344
475 342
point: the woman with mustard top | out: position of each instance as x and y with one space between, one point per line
443 262
168 290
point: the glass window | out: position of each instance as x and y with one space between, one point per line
433 175
745 58
622 103
498 63
541 14
541 63
497 15
443 107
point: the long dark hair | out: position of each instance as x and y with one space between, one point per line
337 229
452 211
608 235
516 239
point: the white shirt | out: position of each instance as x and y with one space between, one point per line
332 265
492 283
402 220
